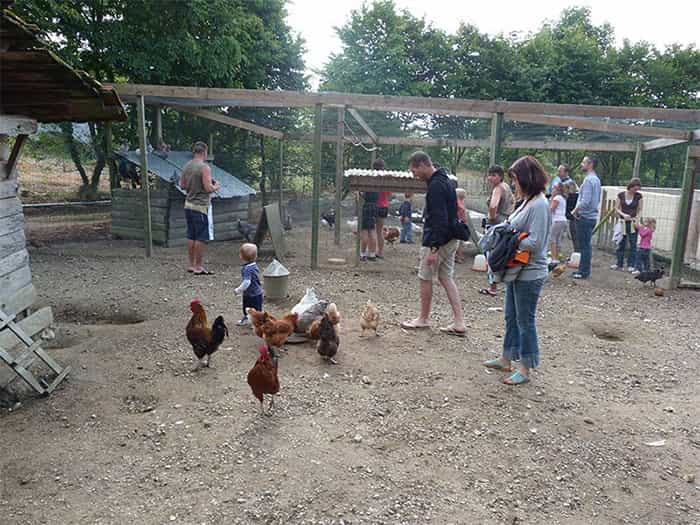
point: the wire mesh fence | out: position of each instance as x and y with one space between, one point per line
50 191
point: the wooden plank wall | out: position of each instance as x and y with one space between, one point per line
127 214
14 258
226 215
168 216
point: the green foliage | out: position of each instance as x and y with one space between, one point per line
570 60
213 43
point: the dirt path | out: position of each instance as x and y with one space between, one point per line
409 428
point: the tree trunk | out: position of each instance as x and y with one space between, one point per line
67 131
263 192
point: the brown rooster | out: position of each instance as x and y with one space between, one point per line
263 378
258 319
329 341
391 234
275 332
204 340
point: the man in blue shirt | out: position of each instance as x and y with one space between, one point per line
438 247
586 213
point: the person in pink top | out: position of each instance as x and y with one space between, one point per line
382 213
645 232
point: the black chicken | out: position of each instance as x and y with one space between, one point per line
329 341
650 276
328 219
246 230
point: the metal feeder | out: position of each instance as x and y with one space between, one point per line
276 280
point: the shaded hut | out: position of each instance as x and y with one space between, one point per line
229 205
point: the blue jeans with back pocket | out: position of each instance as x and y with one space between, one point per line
584 237
520 342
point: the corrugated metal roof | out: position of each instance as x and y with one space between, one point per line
170 168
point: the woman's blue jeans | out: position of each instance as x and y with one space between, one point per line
631 239
520 342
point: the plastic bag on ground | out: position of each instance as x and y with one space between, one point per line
309 309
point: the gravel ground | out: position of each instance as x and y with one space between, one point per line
408 428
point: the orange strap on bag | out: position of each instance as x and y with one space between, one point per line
521 256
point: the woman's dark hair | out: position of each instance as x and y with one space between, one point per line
378 164
530 174
634 182
496 169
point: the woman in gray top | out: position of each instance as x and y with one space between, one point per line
523 291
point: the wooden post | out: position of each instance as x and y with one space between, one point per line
680 236
141 124
11 164
158 125
496 138
359 204
339 150
637 160
280 185
210 148
316 192
109 153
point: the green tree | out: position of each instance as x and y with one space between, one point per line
213 43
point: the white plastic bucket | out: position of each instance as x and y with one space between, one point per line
574 260
480 264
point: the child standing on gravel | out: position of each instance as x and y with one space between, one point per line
646 232
250 285
405 212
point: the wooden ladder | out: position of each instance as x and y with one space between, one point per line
14 331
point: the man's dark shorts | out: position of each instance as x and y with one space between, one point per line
369 216
382 213
197 225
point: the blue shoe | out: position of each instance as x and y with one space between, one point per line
516 379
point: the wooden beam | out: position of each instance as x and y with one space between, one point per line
600 125
158 124
280 185
438 106
554 145
661 143
363 124
637 160
680 236
141 125
17 125
316 193
11 164
230 121
495 144
439 142
568 145
339 150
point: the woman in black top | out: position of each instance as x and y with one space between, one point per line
629 210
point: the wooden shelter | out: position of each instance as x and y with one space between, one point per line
632 129
36 86
229 205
